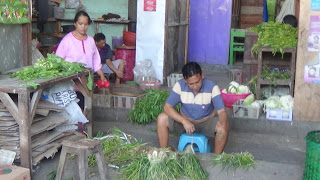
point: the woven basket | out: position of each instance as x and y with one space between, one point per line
312 162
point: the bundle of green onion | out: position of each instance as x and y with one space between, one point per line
118 149
160 163
243 160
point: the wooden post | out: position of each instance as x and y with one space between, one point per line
25 129
187 33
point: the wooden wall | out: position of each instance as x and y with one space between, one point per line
307 96
176 41
251 13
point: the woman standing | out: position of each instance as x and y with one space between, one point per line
77 46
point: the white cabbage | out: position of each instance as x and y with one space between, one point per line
286 102
242 89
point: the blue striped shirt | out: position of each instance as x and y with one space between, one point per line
197 106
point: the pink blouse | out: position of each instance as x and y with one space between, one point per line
82 51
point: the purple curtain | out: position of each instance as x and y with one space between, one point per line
209 31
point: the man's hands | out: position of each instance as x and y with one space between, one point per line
188 126
119 73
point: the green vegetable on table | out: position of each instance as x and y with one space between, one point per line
51 67
276 35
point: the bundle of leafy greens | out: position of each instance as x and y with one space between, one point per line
276 35
50 67
119 149
234 161
148 108
160 163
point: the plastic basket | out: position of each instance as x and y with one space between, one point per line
173 78
279 114
125 102
129 38
312 161
242 111
229 99
152 85
102 98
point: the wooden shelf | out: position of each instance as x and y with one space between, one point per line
49 20
57 35
278 82
102 21
291 65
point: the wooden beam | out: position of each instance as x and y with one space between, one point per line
34 102
165 57
187 33
84 81
25 129
11 106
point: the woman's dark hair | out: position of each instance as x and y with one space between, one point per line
81 13
190 69
98 37
290 19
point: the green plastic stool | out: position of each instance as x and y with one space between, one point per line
236 46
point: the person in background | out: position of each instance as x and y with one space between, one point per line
108 66
291 20
199 98
78 46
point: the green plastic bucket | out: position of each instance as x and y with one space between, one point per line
312 161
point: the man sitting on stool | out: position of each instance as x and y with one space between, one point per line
199 98
105 52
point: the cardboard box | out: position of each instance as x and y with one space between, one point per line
8 172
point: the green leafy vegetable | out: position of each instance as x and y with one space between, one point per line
51 67
148 108
276 35
248 100
90 82
274 75
243 160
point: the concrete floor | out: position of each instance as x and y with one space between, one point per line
278 146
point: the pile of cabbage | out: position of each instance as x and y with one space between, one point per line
250 102
236 88
285 102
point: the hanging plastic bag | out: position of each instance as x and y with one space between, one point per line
36 54
144 72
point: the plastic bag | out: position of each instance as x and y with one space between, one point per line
144 72
75 112
36 54
60 94
72 4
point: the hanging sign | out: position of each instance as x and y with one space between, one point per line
314 34
312 71
150 5
315 5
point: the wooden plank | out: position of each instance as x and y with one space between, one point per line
187 33
25 129
247 21
251 10
11 106
252 3
306 95
33 104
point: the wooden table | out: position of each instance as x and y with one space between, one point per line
28 97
